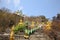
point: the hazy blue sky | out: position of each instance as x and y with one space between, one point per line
48 8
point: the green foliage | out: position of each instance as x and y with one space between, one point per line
19 28
29 32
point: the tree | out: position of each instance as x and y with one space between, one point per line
58 16
19 12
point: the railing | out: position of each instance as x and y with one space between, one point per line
32 37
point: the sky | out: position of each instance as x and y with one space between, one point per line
48 8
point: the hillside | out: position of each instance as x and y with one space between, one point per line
7 19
